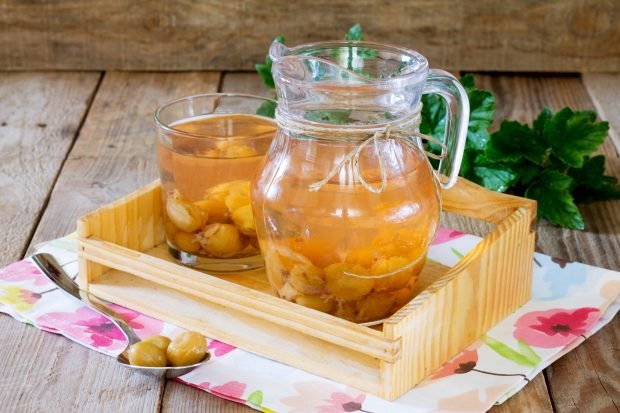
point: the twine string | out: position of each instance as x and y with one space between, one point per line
401 130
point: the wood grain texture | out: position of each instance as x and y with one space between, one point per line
182 398
533 398
604 90
113 155
39 120
514 35
587 378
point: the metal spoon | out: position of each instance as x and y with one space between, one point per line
48 265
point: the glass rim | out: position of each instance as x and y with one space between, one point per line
167 128
275 53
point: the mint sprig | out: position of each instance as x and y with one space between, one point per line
550 161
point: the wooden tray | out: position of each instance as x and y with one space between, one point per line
123 258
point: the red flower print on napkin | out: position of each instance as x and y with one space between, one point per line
556 327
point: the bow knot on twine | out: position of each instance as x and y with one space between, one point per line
404 130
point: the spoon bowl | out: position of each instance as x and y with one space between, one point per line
54 272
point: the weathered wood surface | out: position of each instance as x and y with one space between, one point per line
585 380
513 35
604 90
532 398
113 155
40 114
588 378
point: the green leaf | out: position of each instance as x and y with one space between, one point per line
591 183
527 171
264 69
551 189
354 33
335 117
539 123
507 353
467 164
267 109
457 253
481 110
528 352
468 82
573 135
256 398
433 114
496 177
515 141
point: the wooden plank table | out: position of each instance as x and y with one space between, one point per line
72 141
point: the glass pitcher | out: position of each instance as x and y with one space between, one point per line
347 203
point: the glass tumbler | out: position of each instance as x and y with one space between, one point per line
209 148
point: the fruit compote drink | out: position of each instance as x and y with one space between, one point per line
206 165
344 250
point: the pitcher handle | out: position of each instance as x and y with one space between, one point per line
457 120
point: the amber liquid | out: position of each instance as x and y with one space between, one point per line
206 166
343 249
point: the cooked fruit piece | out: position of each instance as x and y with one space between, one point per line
307 279
347 287
185 216
236 200
221 240
405 243
244 220
288 292
215 208
321 252
402 296
146 354
346 310
365 256
240 187
375 307
187 242
160 341
170 229
315 302
186 349
389 265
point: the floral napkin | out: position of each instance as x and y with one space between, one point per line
570 302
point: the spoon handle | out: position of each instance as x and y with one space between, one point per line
54 272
